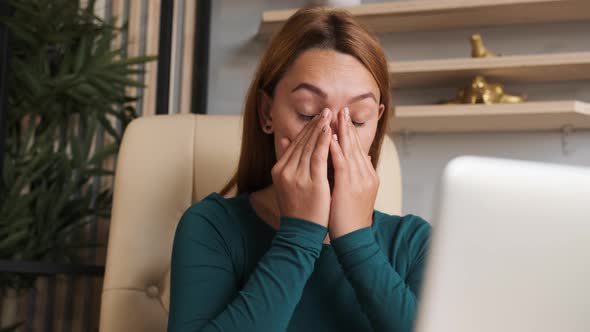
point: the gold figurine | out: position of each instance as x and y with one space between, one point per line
478 50
482 92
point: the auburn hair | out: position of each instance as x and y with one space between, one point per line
308 28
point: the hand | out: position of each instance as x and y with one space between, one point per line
300 176
355 181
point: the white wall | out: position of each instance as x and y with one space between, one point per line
235 53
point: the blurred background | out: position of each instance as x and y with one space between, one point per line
74 74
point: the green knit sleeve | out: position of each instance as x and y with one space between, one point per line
204 293
388 300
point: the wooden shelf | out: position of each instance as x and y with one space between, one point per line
547 115
505 69
444 14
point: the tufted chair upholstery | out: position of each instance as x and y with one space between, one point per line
167 163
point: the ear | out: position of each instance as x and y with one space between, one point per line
381 110
264 114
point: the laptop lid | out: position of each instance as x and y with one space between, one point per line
510 249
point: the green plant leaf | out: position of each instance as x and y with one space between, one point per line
11 240
101 155
12 328
66 85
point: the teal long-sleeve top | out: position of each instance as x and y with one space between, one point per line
231 271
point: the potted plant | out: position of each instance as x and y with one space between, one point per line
68 105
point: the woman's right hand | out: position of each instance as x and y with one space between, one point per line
300 176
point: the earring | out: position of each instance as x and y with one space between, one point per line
268 129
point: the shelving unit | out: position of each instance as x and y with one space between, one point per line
426 15
505 69
445 14
530 116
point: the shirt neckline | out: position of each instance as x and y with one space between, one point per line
246 200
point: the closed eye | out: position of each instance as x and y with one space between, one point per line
305 117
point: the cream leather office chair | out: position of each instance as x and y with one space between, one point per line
167 163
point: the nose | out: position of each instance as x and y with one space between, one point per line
334 120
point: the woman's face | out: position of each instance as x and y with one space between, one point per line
319 79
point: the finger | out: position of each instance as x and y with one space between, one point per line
343 131
284 142
310 146
319 162
358 154
292 145
338 158
285 145
355 141
366 156
347 143
295 156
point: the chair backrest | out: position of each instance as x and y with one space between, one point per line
165 164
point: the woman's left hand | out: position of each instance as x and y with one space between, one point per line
355 181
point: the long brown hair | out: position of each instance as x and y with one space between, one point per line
310 27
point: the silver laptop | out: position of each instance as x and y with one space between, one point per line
510 249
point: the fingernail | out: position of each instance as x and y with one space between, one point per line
347 113
325 113
324 128
335 137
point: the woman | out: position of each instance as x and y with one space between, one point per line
301 248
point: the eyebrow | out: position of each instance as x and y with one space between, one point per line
319 92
